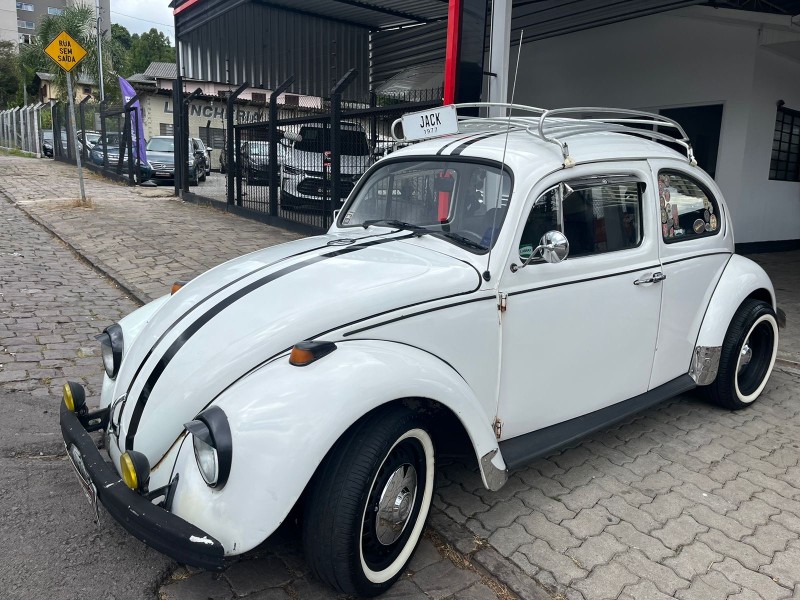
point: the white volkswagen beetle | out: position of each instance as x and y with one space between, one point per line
495 285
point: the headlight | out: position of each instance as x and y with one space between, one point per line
213 445
112 345
135 470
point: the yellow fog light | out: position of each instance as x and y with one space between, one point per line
135 470
74 396
128 471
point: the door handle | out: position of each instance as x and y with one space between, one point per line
657 276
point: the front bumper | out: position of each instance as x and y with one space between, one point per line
151 524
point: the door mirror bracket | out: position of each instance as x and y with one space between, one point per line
553 248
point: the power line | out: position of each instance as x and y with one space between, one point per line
119 14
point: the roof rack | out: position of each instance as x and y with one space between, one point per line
554 125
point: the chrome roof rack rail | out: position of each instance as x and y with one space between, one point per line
554 125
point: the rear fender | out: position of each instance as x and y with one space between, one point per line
741 278
285 419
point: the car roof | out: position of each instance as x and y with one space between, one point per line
524 152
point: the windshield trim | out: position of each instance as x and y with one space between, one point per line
362 181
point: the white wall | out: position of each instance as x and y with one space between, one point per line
8 21
683 58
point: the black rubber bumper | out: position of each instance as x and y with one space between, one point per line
153 525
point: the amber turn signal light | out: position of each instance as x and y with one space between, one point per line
305 353
178 285
74 396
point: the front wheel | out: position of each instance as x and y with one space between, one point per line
747 357
368 502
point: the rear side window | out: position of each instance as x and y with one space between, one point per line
688 210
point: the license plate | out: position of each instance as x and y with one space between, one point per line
163 174
87 486
430 123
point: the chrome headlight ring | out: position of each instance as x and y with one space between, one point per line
213 445
112 345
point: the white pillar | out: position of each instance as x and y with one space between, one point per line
500 49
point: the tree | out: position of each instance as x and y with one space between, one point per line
79 22
151 46
120 48
9 74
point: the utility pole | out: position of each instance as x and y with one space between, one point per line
100 51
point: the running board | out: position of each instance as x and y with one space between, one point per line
523 449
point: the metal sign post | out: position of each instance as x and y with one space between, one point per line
67 53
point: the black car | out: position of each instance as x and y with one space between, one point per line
161 159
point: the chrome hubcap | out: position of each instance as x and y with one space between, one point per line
395 504
745 357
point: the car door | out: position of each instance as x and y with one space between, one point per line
694 247
580 335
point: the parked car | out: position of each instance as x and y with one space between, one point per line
47 142
89 138
255 162
305 164
112 146
201 147
161 158
492 287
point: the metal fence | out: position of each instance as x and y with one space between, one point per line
299 166
21 128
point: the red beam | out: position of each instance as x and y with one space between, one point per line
184 6
451 60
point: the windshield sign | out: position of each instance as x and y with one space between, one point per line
463 202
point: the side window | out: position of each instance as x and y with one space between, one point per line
688 210
597 215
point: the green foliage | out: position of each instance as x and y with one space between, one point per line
120 49
78 20
151 46
9 74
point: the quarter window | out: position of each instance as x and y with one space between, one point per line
688 210
598 215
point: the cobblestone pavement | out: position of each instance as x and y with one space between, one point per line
52 305
685 500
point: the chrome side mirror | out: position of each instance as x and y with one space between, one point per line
553 248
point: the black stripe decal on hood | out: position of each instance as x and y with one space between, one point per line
184 337
216 292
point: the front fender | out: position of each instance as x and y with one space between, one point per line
741 278
284 420
132 325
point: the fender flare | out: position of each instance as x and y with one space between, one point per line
740 279
285 419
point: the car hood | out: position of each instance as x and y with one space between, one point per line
235 317
167 158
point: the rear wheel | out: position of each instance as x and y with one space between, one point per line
368 502
747 357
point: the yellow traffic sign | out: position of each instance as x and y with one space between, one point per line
65 51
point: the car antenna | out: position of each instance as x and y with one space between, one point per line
486 274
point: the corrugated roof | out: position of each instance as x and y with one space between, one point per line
161 70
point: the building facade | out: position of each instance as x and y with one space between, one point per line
30 13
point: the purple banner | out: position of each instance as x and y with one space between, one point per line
140 149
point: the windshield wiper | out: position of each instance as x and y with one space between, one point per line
464 240
418 229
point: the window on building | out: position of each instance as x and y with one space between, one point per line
165 129
257 97
25 38
54 11
26 24
224 93
688 210
213 137
87 90
24 6
785 165
291 100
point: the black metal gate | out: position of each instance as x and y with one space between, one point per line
299 166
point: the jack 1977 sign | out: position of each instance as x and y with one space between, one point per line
65 51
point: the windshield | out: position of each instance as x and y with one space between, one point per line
455 199
47 136
161 145
92 137
318 139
